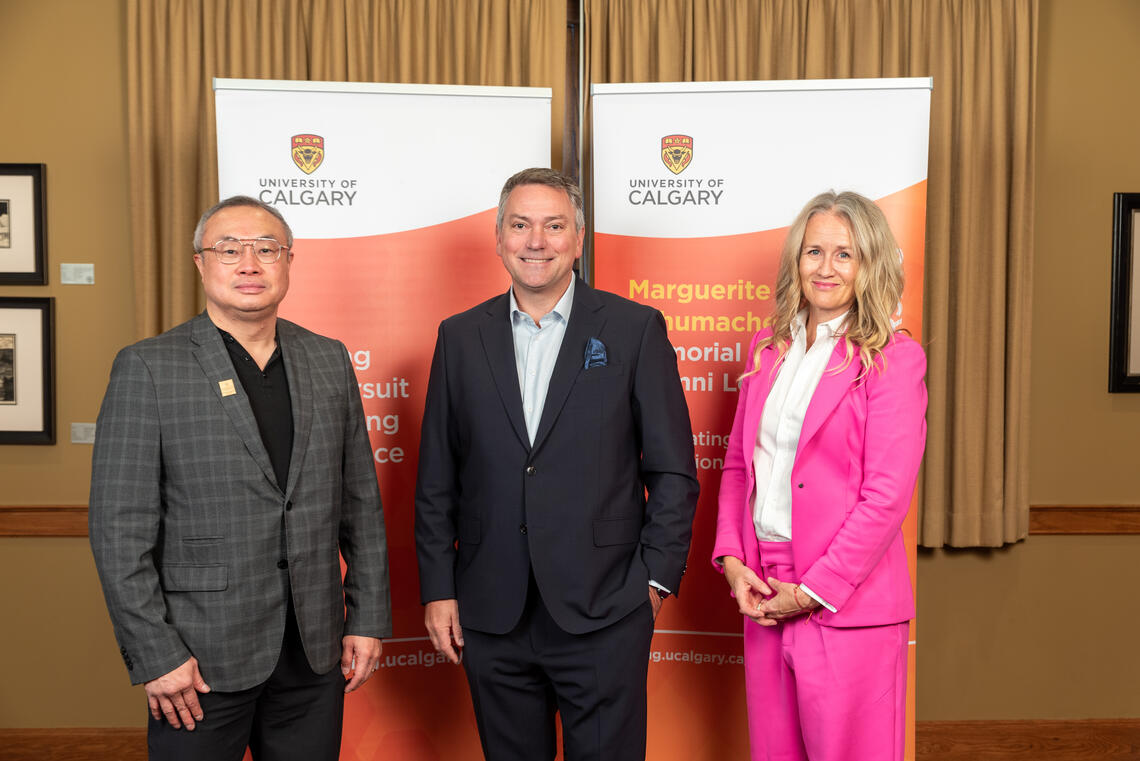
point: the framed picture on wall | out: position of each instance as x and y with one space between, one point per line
1124 328
23 238
27 371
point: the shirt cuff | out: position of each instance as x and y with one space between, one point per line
813 596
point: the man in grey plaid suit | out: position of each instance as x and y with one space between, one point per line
231 471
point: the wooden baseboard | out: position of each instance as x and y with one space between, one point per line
86 744
1029 740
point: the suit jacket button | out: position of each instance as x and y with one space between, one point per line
282 563
800 486
289 505
531 470
522 528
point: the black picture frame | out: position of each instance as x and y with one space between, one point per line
23 224
27 370
1124 320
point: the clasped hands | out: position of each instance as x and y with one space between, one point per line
765 602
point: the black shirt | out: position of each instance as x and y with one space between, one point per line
268 392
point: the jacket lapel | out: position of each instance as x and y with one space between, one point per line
586 320
300 396
498 343
832 388
758 389
210 351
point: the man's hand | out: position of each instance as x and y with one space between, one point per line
655 600
749 590
359 658
441 619
175 695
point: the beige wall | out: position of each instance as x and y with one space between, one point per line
1036 630
1046 629
63 104
1084 439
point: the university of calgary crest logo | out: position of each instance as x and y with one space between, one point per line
676 152
308 152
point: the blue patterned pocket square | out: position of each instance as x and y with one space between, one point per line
595 353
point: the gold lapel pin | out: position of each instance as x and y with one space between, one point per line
227 387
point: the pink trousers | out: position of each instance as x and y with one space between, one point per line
823 693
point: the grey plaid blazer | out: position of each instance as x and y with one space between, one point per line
186 513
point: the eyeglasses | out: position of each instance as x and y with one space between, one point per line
231 250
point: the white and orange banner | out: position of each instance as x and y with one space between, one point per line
695 186
391 192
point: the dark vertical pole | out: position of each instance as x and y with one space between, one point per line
572 114
572 101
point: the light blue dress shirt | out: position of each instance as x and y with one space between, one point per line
536 351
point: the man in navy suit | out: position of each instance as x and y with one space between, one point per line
556 491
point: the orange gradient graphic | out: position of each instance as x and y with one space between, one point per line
715 292
384 297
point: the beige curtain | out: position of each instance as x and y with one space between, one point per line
979 255
177 47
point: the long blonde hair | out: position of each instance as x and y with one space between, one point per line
878 281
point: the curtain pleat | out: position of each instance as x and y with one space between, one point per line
177 47
979 246
981 54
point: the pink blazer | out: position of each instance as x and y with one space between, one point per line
852 482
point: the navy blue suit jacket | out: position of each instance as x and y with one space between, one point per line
572 508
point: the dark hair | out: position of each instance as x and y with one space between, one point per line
232 201
551 179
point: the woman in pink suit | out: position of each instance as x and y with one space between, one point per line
821 465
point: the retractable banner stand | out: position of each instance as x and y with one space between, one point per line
695 186
391 191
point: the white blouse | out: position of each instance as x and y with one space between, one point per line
781 424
